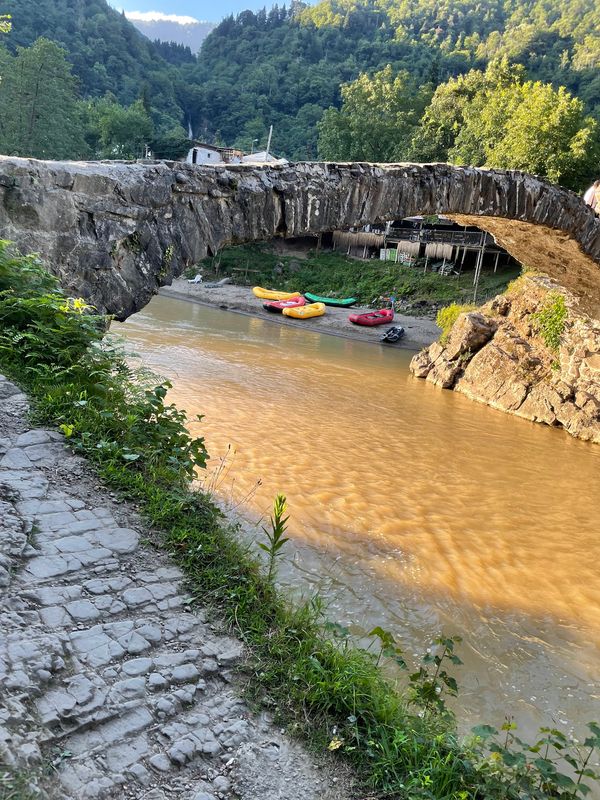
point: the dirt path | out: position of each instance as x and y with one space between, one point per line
420 331
111 685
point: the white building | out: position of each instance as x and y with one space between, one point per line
210 154
201 153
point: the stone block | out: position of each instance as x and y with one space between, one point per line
137 666
119 540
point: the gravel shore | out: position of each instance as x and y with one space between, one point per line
420 331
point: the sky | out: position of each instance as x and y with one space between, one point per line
206 10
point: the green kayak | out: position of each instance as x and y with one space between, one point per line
330 301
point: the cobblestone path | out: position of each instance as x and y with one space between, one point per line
110 685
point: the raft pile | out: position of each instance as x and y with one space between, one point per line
294 305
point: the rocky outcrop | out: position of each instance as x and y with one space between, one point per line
498 356
114 232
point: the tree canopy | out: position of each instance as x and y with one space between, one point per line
489 118
499 82
377 120
40 116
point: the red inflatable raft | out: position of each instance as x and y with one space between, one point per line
277 306
382 317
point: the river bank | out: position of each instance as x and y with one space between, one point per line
419 331
107 670
532 352
401 742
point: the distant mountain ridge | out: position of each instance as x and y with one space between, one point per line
189 34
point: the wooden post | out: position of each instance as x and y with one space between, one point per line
496 261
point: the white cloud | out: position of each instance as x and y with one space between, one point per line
158 16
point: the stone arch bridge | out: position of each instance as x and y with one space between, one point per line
114 232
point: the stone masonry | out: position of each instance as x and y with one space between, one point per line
111 684
114 232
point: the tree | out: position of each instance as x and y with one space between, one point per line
496 119
38 94
452 105
116 131
538 129
377 120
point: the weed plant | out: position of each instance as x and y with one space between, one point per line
446 318
551 319
403 744
15 785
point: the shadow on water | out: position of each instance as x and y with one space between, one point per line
412 508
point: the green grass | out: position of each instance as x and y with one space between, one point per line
401 742
372 281
14 785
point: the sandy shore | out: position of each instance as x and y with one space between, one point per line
420 331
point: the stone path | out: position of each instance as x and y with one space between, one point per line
110 684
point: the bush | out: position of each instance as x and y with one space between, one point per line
550 320
446 317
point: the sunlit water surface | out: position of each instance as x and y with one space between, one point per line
411 507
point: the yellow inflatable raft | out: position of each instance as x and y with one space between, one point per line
305 312
267 294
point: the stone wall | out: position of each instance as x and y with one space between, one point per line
497 356
114 232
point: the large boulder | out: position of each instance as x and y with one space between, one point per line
469 333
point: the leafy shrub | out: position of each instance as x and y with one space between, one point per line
54 346
550 320
446 317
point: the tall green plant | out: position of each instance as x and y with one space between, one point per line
447 316
275 535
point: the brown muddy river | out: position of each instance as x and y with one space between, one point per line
411 507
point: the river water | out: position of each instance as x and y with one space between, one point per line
411 507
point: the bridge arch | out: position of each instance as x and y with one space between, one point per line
114 232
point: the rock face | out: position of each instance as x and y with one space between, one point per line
114 232
497 356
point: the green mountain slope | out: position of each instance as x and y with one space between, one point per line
108 54
285 67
